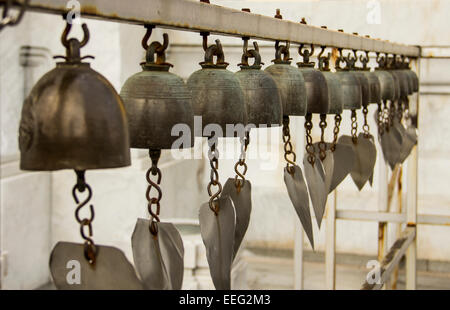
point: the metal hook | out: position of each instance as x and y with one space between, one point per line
305 53
147 35
65 34
8 20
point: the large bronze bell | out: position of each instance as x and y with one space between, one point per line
73 118
315 83
216 92
387 82
290 82
401 79
261 95
351 86
374 89
155 101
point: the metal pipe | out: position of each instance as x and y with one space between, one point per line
204 17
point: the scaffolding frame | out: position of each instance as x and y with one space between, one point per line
208 18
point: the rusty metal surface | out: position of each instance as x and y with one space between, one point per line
204 17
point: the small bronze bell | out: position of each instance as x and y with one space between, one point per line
401 79
73 118
156 100
290 82
374 83
351 86
315 83
387 82
261 95
335 94
216 92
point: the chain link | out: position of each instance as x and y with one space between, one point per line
309 144
380 119
337 124
90 251
354 127
213 154
366 127
385 119
288 149
322 144
239 179
155 154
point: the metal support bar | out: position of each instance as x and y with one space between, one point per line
422 219
330 244
203 17
392 258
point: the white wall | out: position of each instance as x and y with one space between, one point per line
37 208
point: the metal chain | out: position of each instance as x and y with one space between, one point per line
309 144
392 111
288 149
385 119
337 124
155 154
239 179
380 119
366 127
354 127
322 144
400 108
90 251
213 155
407 116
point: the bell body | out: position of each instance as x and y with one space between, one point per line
403 83
73 119
217 97
155 102
291 85
374 87
262 100
410 80
365 87
415 80
351 89
397 87
387 84
335 94
316 90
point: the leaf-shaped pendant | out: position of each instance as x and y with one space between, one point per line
298 193
218 233
366 156
409 140
159 259
391 142
344 158
242 201
315 178
327 163
70 269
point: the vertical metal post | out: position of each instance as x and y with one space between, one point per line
298 233
411 203
382 207
330 247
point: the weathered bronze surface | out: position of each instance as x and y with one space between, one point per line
73 118
387 86
374 87
335 94
261 96
290 83
316 88
216 93
351 88
155 101
365 87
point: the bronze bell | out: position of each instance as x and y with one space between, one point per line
413 76
290 82
401 79
315 83
73 118
216 92
371 90
261 95
387 82
335 94
156 100
351 86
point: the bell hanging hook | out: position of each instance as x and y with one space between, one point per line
9 20
305 53
73 45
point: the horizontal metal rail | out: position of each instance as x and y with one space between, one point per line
204 17
392 258
422 219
